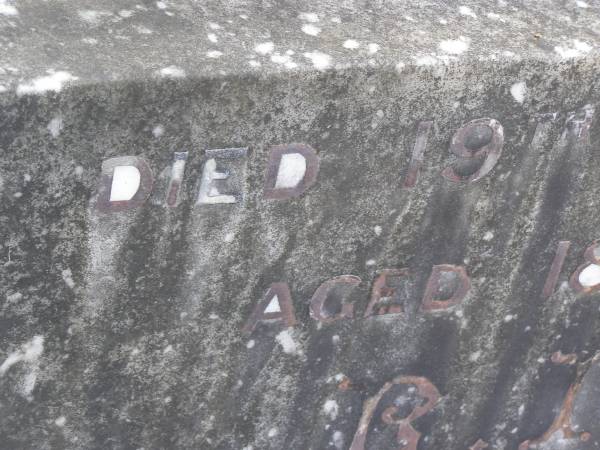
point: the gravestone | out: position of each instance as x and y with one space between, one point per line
299 225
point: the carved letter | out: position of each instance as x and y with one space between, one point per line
478 146
417 155
586 278
384 293
407 436
330 289
177 170
291 170
209 193
448 281
276 305
126 182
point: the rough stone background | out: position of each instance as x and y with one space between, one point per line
123 331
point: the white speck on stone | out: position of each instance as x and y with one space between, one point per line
214 26
272 432
455 47
214 53
14 298
172 72
400 67
310 29
493 16
92 17
426 60
67 277
331 408
508 318
228 237
373 48
286 340
370 262
7 10
158 131
61 421
488 236
409 18
377 229
29 353
474 356
582 4
125 13
309 17
336 20
54 81
250 343
443 21
319 60
285 60
167 349
518 91
161 5
3 88
79 171
466 11
55 126
351 44
265 48
590 276
142 30
521 410
338 439
579 48
212 37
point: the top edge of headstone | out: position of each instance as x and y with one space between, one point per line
47 45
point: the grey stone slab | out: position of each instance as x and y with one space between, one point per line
393 250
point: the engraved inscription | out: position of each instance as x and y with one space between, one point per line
291 170
385 295
126 182
275 306
447 286
478 146
406 437
329 304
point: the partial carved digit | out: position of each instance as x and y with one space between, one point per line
586 278
407 437
478 146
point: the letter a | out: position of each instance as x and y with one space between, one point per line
276 305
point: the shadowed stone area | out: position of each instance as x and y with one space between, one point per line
254 225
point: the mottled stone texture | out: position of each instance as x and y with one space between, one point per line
123 330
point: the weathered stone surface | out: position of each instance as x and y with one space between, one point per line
408 190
